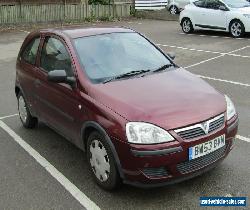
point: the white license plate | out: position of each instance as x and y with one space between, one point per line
206 147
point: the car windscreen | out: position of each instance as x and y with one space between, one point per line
237 3
109 55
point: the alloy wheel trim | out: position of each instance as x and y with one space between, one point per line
99 160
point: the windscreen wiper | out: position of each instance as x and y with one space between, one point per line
128 74
164 67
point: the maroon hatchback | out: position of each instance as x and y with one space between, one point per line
141 119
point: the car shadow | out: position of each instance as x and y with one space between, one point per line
217 33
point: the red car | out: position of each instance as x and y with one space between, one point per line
141 119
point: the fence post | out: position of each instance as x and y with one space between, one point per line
20 11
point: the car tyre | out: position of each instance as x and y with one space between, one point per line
187 26
236 29
173 10
102 163
26 118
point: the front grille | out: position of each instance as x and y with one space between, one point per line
201 129
193 165
214 125
155 172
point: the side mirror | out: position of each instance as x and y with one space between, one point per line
171 55
223 8
60 76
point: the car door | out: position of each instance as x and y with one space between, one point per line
197 12
213 17
26 70
59 103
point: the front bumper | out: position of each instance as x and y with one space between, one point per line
163 164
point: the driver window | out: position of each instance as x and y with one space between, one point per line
55 56
213 4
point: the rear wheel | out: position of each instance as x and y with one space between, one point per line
187 26
173 10
237 29
102 162
27 120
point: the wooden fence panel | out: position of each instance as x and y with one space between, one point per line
59 12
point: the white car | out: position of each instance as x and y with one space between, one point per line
176 6
219 15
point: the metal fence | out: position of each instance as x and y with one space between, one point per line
57 12
150 4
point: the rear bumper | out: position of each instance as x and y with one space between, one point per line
159 165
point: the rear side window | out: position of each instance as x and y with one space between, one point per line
30 51
200 3
55 56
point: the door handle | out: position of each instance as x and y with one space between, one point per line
37 83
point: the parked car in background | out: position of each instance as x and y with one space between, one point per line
176 6
141 119
219 15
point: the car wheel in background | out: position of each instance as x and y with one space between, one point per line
102 162
237 29
187 26
173 10
27 120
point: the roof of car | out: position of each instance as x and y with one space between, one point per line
82 32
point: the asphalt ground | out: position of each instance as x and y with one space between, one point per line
42 170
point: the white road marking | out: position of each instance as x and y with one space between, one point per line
243 138
8 116
204 61
200 50
69 186
223 80
223 37
191 49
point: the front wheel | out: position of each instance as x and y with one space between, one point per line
237 29
102 162
187 26
173 10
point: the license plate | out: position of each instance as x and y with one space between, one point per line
206 147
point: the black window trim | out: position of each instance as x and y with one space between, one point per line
48 36
20 57
213 8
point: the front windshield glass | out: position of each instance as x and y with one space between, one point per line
109 55
237 3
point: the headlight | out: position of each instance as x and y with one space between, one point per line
230 108
146 133
247 15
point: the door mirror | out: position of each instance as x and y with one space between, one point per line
60 76
223 8
171 55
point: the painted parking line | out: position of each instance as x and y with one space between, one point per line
201 50
191 49
210 59
8 116
223 80
69 186
237 136
243 138
212 36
